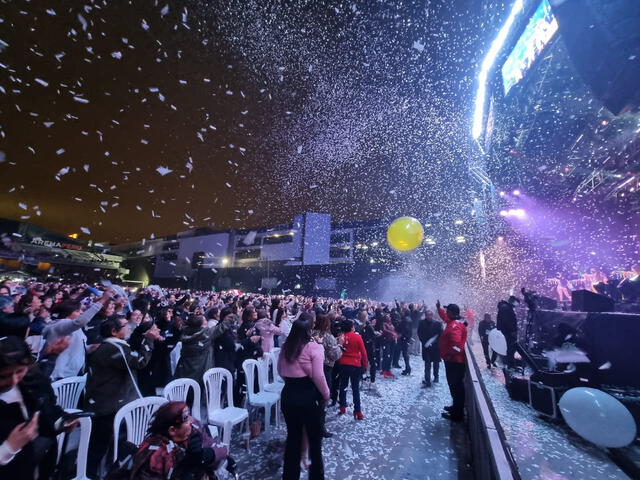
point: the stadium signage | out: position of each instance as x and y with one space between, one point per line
54 244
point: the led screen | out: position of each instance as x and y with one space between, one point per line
537 34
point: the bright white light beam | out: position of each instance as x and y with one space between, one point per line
487 65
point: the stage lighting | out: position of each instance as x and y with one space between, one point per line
516 192
460 239
225 262
502 194
503 213
487 65
501 238
518 212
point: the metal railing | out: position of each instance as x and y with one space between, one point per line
492 459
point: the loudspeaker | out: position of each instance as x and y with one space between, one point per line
602 38
586 301
517 385
546 303
544 399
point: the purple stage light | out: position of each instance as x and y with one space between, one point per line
503 213
516 192
502 194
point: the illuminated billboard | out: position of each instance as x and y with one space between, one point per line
537 34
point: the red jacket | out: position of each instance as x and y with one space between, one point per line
354 353
454 335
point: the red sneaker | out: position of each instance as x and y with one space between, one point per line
342 411
358 415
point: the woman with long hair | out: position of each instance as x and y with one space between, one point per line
332 352
304 397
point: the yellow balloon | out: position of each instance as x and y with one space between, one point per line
405 234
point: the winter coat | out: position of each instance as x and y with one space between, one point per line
415 318
13 324
157 372
389 332
332 351
453 339
484 327
354 353
195 459
404 329
109 385
196 356
428 329
267 330
506 319
37 395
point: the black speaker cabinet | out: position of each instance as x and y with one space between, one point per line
586 301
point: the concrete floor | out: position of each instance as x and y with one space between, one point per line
402 437
543 449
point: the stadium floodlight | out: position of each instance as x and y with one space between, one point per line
487 65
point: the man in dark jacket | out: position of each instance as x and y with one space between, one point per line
484 327
230 351
429 330
406 332
29 416
11 323
111 385
507 323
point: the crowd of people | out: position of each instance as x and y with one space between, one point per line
124 341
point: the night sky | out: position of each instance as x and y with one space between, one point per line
260 110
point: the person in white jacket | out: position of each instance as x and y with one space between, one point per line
71 361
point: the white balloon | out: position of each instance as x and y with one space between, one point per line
598 417
497 342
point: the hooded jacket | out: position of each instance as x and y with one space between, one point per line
453 339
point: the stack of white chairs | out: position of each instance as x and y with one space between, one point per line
217 414
259 397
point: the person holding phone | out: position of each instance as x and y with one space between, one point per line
29 416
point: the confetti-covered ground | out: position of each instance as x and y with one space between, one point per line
544 450
402 437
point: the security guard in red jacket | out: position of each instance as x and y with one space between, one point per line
452 343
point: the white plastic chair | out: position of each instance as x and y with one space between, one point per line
83 448
267 364
174 357
178 390
260 398
275 355
136 416
68 391
217 414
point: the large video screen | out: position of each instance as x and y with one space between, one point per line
539 31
